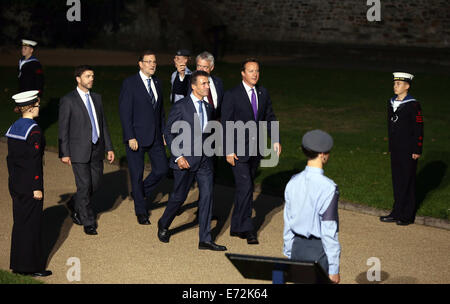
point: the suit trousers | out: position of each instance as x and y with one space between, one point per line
87 178
404 185
309 250
143 188
244 175
182 182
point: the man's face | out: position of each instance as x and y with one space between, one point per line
251 74
148 65
180 59
201 86
86 80
27 51
205 65
400 87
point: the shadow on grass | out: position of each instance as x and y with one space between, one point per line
429 178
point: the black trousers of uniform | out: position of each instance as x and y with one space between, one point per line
87 178
404 184
244 175
26 239
309 250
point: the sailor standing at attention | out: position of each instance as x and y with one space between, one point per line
31 76
26 145
405 130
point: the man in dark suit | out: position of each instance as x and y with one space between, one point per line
189 161
205 62
142 115
246 103
83 138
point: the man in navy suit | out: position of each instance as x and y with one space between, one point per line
189 161
205 62
247 102
142 115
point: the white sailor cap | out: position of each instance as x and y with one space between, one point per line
403 76
26 42
317 141
26 98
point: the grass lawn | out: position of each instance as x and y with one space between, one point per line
349 104
7 277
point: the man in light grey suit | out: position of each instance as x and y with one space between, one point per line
83 139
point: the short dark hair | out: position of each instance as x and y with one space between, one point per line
251 59
309 153
145 53
79 70
196 74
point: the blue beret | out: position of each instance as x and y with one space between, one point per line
317 141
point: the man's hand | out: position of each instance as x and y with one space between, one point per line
165 144
66 160
415 156
277 148
133 144
183 163
110 156
230 159
37 194
181 68
335 278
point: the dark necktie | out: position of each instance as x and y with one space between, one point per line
210 99
150 92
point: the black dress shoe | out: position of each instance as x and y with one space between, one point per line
403 223
90 230
252 239
211 246
44 273
163 234
75 216
387 219
143 219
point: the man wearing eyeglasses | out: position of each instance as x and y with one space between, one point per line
142 115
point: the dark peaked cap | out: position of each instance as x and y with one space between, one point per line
317 141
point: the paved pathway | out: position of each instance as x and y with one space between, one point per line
125 252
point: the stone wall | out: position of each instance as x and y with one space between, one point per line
418 23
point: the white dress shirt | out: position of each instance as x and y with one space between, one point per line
83 97
144 79
249 93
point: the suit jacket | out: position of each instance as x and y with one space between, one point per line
139 119
236 107
75 129
184 110
219 89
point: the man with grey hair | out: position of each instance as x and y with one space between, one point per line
205 62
